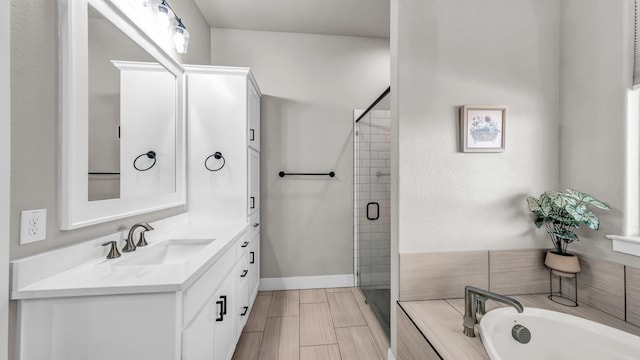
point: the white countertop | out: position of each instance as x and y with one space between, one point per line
105 277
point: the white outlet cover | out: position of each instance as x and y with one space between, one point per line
33 226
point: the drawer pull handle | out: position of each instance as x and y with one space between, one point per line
253 202
253 257
245 244
244 311
252 135
244 273
224 304
256 225
220 314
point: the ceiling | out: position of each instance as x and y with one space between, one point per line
366 18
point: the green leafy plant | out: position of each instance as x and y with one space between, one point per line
562 213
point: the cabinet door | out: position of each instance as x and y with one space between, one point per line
242 310
198 337
254 181
225 320
254 266
254 119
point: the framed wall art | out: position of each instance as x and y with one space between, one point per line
482 128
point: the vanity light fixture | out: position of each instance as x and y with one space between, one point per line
141 4
166 19
165 16
180 37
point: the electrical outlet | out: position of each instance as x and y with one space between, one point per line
33 225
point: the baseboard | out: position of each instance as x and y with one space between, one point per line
306 282
390 355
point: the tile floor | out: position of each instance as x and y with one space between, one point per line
322 324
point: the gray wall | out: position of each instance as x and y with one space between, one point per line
451 53
599 140
34 116
35 123
5 177
311 84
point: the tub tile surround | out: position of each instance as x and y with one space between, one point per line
606 286
518 272
440 321
601 284
633 295
426 276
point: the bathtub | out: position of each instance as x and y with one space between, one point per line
554 336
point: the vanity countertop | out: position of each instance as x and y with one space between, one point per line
440 321
104 277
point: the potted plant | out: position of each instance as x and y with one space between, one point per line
562 213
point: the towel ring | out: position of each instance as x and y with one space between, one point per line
217 155
151 155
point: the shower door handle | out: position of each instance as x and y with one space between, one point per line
369 217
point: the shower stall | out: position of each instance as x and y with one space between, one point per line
372 204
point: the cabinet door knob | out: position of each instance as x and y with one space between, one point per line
244 310
245 244
244 273
256 225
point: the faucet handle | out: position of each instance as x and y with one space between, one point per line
143 240
113 252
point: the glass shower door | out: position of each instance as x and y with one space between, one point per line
372 210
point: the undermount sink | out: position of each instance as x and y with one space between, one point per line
174 251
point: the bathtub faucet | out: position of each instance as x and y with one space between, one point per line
474 299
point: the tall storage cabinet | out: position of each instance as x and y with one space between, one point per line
223 115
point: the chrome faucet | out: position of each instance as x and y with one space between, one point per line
474 299
130 245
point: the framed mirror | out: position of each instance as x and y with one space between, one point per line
122 120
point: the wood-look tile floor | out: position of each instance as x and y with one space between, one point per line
315 324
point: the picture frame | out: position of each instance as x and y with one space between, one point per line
483 128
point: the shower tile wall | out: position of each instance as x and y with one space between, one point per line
373 166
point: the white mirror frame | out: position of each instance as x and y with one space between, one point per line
75 209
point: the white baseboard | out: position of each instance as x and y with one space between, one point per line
390 355
306 282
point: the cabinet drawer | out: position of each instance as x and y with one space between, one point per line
244 307
254 223
242 245
198 294
241 270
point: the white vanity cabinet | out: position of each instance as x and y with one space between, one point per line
254 119
223 109
254 181
201 321
211 334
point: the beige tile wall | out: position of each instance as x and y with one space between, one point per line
633 295
518 272
427 276
601 284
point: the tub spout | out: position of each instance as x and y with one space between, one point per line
472 297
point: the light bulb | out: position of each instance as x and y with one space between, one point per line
165 17
181 39
140 4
